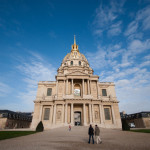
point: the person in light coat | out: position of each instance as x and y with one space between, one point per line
97 135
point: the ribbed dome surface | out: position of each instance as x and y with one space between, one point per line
74 56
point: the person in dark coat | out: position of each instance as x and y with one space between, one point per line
91 134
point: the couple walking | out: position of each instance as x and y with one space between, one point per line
97 134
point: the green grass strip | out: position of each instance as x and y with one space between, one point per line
11 134
141 130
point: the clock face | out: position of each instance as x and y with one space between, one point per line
77 92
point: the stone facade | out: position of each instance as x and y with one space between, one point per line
14 120
76 97
140 119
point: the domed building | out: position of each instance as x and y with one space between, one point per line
76 97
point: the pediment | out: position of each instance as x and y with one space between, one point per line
77 73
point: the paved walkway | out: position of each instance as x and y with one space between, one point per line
77 139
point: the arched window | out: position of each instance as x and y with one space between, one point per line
71 63
79 63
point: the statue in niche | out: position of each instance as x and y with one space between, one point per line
110 97
96 115
59 115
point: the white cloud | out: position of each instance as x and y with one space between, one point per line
34 69
138 46
147 57
145 63
115 29
135 35
105 18
144 17
5 89
141 22
134 48
134 100
132 28
105 56
98 57
114 53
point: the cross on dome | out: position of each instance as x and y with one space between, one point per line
74 39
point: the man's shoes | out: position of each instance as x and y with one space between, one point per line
100 142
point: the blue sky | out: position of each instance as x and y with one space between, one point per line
36 35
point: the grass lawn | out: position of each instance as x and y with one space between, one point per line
141 130
12 134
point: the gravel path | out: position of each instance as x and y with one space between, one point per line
77 139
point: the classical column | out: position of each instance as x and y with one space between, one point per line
66 111
57 88
83 86
64 88
40 116
101 115
84 114
54 114
93 113
51 116
113 114
97 90
90 114
88 87
62 113
72 85
67 87
72 118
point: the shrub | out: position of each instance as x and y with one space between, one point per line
40 127
125 126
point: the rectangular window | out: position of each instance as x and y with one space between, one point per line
104 93
71 63
46 113
107 113
49 91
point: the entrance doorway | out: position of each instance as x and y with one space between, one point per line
77 118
